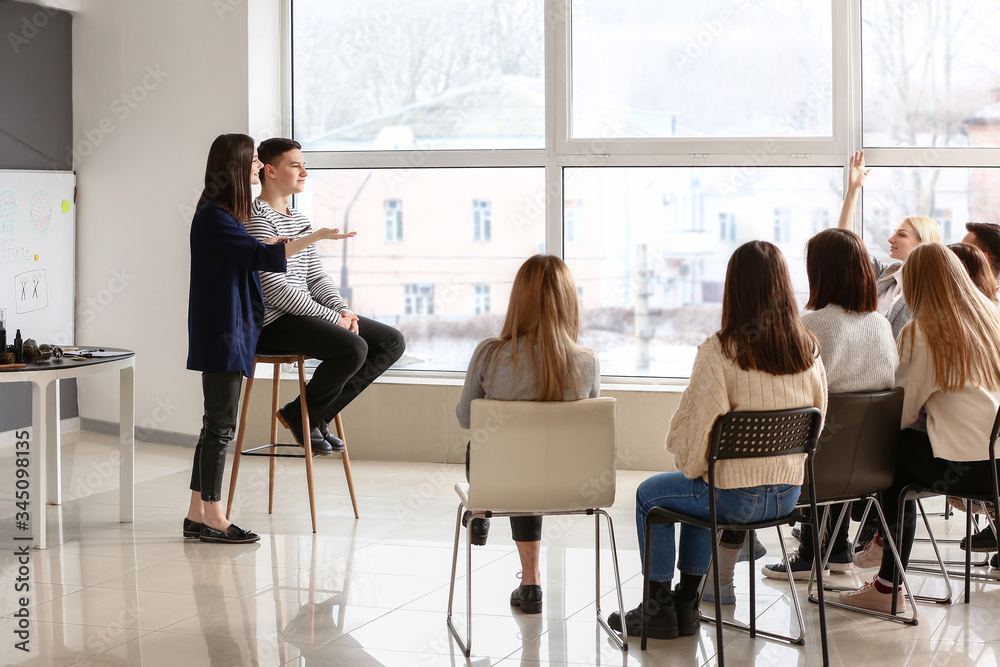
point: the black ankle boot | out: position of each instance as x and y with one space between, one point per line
688 614
480 528
660 612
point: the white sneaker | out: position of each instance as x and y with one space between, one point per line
869 597
870 556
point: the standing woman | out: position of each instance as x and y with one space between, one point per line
949 365
225 313
536 357
911 232
763 358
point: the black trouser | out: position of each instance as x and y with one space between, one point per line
222 399
349 362
522 528
916 464
840 540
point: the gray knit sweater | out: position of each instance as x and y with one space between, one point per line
858 349
499 382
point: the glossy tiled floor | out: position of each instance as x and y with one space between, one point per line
374 591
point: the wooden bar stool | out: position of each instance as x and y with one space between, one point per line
273 445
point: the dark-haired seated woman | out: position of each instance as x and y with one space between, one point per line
859 354
762 358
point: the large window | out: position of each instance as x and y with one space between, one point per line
641 140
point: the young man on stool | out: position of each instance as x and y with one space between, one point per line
304 312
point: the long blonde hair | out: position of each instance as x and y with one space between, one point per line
927 229
960 325
543 315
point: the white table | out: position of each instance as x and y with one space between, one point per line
46 467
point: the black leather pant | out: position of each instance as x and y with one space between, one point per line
522 528
349 362
222 400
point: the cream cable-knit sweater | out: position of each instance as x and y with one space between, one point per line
718 385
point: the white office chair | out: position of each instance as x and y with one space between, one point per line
533 458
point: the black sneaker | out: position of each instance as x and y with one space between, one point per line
662 623
983 542
336 443
527 598
290 417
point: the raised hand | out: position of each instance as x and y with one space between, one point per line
858 173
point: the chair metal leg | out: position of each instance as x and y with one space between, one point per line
239 445
271 464
347 464
621 640
891 542
306 441
466 648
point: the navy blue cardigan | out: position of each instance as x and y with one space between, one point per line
226 305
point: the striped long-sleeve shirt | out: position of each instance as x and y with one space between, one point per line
305 289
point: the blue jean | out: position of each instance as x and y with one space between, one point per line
673 490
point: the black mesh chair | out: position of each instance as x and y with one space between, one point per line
745 435
919 491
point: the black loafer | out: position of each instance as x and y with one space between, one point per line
292 420
235 535
336 443
527 598
192 528
480 528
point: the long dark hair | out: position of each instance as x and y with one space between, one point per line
227 175
761 327
840 272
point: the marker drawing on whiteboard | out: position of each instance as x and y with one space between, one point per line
31 291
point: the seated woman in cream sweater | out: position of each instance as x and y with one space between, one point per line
859 354
949 365
535 358
762 358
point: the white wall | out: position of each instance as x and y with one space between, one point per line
183 69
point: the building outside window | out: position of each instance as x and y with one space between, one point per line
782 225
481 214
573 221
393 220
418 299
482 294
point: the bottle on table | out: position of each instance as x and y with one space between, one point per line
18 348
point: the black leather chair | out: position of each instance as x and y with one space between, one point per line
740 435
855 459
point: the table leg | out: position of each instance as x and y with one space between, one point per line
39 481
126 436
53 447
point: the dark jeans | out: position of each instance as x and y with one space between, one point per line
349 362
522 528
916 464
222 400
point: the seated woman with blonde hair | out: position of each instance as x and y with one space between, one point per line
536 357
949 365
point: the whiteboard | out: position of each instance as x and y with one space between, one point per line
38 255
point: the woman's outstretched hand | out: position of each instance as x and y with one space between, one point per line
858 174
334 234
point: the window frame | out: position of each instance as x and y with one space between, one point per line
562 151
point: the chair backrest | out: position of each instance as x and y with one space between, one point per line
856 453
529 456
744 435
